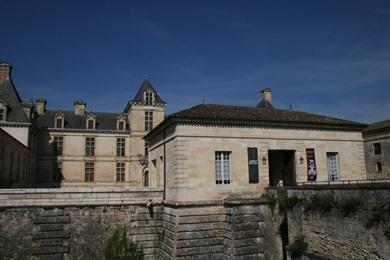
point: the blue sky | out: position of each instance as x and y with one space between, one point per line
329 57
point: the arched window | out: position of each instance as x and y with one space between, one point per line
59 119
90 121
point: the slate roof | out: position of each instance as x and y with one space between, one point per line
264 103
8 93
146 86
104 121
250 116
382 125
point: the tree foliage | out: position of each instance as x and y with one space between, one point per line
119 247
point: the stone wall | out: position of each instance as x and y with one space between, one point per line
337 234
240 229
75 223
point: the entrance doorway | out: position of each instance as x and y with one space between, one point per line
281 167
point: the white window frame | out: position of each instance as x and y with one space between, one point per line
56 122
89 171
120 146
148 120
333 166
149 98
3 113
223 174
120 171
90 145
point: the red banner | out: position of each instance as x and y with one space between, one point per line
311 165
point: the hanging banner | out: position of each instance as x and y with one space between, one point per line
311 165
253 165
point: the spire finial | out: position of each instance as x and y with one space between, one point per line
146 76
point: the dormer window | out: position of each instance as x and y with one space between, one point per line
121 123
149 98
59 120
90 122
3 112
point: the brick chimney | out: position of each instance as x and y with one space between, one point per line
5 70
79 107
40 106
266 95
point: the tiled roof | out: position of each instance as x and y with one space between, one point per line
104 121
250 116
8 93
378 126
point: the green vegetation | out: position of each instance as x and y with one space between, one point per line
270 200
119 247
298 247
322 203
350 205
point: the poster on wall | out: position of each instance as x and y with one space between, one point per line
311 165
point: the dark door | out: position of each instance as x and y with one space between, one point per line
281 167
253 165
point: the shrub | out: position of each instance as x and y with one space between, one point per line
298 247
120 248
270 200
350 205
320 203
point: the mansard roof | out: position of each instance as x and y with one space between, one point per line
15 112
250 116
104 121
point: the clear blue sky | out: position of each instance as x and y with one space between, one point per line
328 56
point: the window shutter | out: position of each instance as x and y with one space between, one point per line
253 165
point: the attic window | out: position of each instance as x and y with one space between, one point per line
148 98
3 112
121 125
90 122
59 121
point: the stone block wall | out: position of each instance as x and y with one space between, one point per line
218 230
75 223
333 234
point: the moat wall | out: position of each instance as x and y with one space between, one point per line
345 231
77 223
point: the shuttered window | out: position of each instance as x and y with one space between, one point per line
253 165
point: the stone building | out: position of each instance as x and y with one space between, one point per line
16 153
81 148
377 150
211 152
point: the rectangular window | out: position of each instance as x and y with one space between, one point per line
90 124
90 146
333 166
58 144
148 120
120 147
222 167
377 148
2 114
149 98
378 167
121 125
253 165
120 171
58 123
89 171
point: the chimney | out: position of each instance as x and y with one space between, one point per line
79 107
5 70
266 95
40 106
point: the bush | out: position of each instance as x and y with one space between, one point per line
120 248
298 247
350 205
387 233
320 203
270 200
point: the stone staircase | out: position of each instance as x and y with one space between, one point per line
50 237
